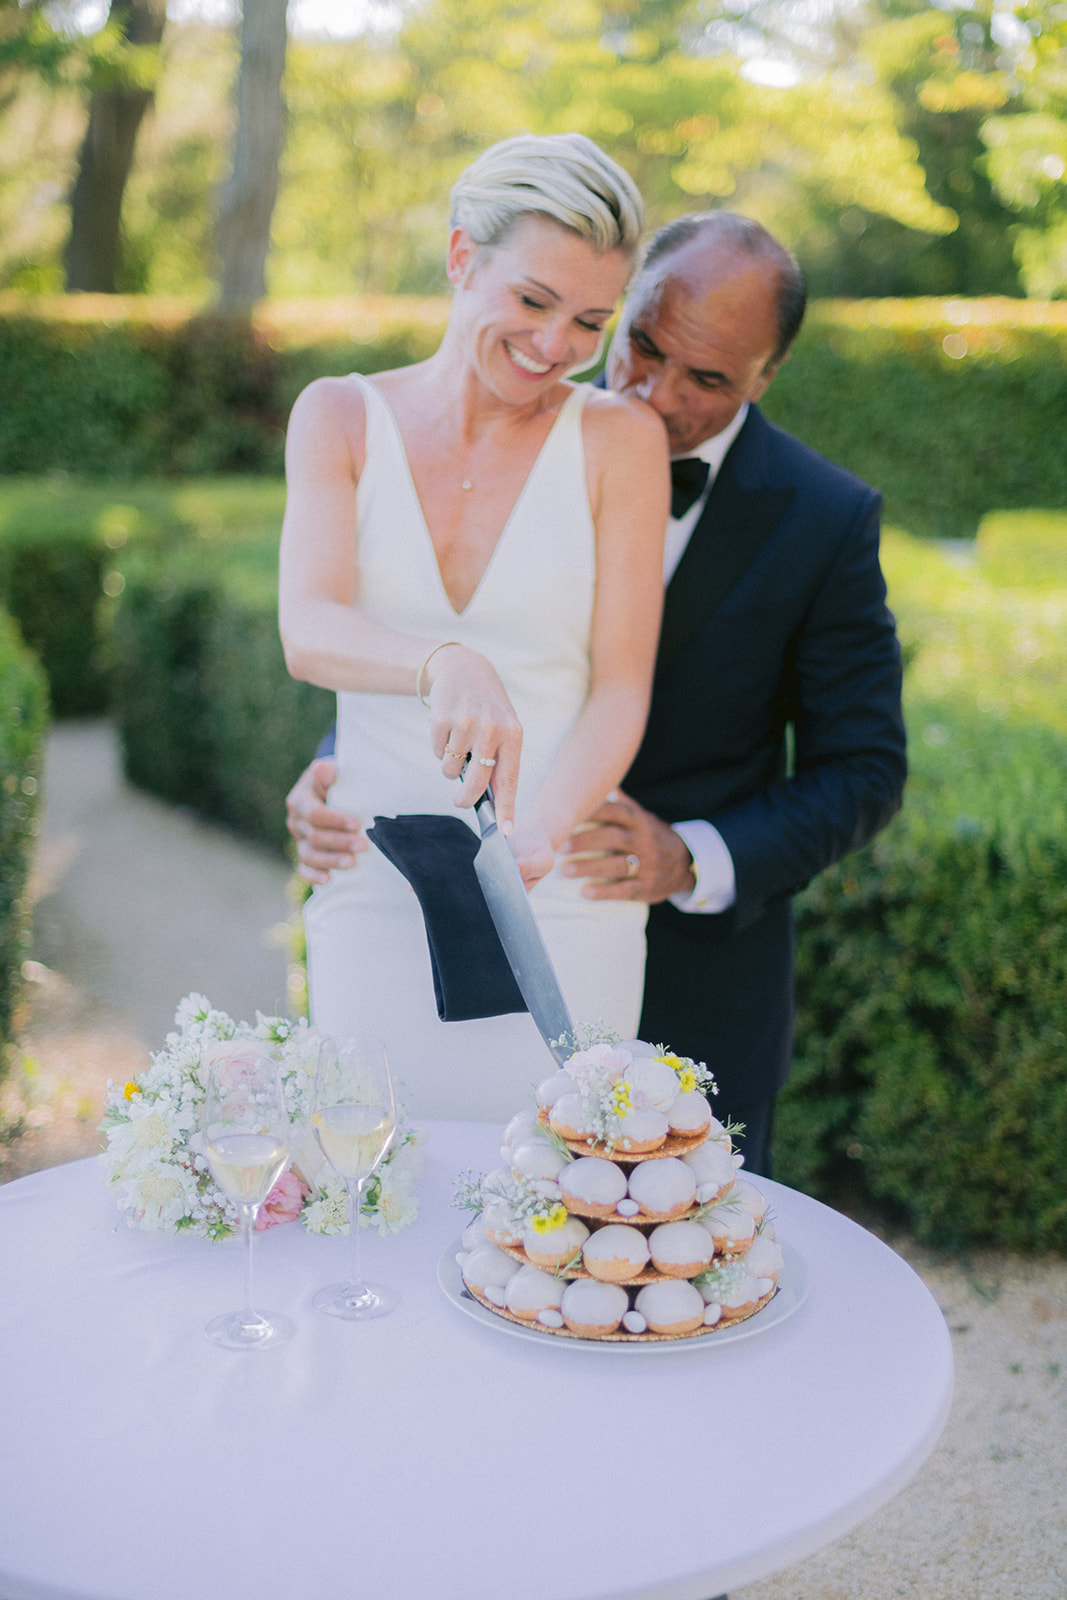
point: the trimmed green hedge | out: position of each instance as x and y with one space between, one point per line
208 714
23 720
932 967
64 547
951 408
100 385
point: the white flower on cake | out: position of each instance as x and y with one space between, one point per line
155 1155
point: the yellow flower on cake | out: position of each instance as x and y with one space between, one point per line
547 1222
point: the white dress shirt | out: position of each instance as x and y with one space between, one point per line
713 867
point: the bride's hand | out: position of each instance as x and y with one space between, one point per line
533 853
470 712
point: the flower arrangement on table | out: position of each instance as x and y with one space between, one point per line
155 1155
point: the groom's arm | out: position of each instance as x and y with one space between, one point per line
327 840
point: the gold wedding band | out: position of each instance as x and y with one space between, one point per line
487 761
632 865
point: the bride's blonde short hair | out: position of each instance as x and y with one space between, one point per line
564 176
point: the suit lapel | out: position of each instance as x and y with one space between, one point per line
732 528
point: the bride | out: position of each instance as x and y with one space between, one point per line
472 558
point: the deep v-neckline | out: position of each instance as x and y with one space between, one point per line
502 536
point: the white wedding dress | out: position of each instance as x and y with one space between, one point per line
368 959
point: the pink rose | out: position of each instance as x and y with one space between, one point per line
235 1060
283 1203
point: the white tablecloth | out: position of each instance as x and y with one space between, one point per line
422 1456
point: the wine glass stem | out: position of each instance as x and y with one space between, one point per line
248 1218
355 1202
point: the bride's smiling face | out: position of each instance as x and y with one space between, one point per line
534 306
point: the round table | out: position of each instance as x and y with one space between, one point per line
426 1454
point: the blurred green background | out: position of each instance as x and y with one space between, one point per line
914 156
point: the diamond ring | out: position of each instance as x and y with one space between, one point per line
632 865
487 761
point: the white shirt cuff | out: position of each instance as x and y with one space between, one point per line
713 868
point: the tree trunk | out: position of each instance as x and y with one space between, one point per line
94 247
247 202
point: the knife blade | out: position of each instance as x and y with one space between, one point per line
509 906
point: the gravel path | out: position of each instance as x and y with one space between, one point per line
136 904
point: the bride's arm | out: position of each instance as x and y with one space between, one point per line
626 449
329 642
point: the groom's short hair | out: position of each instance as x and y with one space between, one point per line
727 230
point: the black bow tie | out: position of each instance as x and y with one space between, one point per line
688 477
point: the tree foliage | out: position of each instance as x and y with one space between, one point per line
900 147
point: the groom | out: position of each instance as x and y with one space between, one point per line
775 742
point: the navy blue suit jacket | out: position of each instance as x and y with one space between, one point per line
775 619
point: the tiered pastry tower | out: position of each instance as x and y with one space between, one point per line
619 1212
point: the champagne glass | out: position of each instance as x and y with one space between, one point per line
246 1141
354 1118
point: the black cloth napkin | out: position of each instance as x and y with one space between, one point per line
471 974
688 476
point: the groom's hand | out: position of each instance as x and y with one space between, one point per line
630 855
326 840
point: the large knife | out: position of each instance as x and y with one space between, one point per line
509 906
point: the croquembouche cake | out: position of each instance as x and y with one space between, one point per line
619 1210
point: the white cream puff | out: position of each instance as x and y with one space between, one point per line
671 1306
500 1225
593 1309
680 1249
552 1088
764 1257
473 1235
663 1188
488 1268
751 1198
731 1227
690 1115
733 1287
712 1168
556 1247
592 1186
523 1125
538 1158
718 1135
530 1291
615 1254
641 1131
570 1117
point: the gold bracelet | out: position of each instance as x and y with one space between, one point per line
425 664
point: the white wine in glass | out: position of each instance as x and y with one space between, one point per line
246 1141
354 1119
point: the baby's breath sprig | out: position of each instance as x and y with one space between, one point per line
468 1192
524 1200
583 1036
721 1279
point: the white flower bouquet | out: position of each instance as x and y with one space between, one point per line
155 1156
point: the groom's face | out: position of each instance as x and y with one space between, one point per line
697 338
